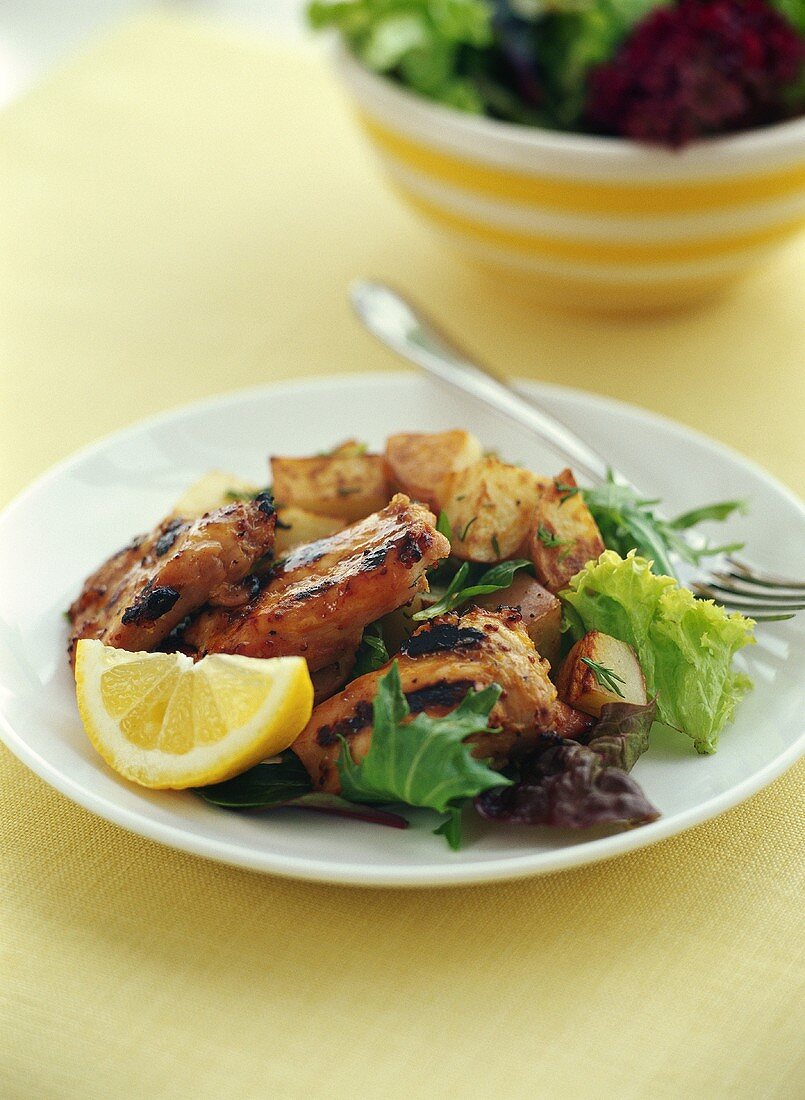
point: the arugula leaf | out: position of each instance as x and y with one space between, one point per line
628 522
372 653
424 761
450 828
719 512
285 782
502 574
458 592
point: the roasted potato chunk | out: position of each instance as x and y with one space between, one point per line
295 527
490 506
347 485
422 464
600 669
541 611
564 536
214 490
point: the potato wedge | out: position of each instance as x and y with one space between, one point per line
422 464
490 507
346 486
613 674
541 611
564 536
214 490
295 527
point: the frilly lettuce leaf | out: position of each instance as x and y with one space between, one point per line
421 41
685 645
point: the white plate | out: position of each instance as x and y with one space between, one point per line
81 511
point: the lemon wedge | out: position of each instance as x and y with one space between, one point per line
165 722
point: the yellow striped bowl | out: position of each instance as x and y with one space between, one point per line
591 222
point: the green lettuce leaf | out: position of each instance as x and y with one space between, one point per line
423 42
685 645
424 761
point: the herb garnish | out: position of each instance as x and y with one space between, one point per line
550 538
565 491
284 781
606 677
464 533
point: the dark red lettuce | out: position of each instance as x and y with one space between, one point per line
575 786
620 736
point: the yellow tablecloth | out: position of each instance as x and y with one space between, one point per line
181 209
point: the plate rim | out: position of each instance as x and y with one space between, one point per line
421 875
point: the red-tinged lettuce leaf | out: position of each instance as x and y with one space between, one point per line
323 803
620 736
567 785
285 782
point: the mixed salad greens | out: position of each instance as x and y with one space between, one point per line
682 646
665 71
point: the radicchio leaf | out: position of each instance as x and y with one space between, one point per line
568 785
620 737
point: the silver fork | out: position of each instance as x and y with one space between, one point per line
396 323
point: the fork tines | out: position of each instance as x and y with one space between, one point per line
764 596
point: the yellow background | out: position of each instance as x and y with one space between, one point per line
181 209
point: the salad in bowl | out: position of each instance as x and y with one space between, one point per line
615 155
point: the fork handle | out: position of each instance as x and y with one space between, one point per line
396 323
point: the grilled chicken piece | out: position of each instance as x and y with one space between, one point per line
317 602
438 664
141 593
